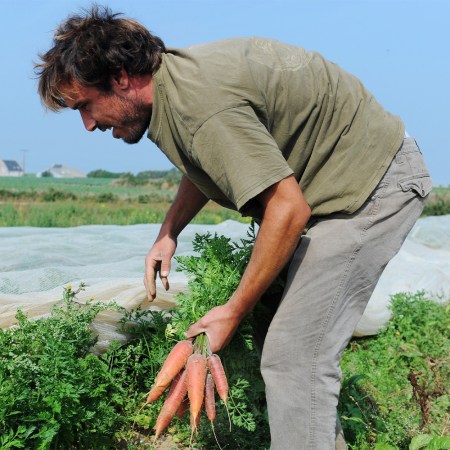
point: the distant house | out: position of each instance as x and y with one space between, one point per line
9 168
60 171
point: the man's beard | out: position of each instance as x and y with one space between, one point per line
136 119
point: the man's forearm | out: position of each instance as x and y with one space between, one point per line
285 217
188 202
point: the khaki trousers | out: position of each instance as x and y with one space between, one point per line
329 281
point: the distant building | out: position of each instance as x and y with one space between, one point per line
9 168
60 171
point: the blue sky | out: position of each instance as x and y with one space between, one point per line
398 48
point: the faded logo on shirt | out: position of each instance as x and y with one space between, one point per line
283 56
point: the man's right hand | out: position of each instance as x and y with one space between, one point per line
158 260
188 202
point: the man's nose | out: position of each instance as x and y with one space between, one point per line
88 121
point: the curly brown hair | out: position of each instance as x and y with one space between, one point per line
91 48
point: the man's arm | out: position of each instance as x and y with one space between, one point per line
286 213
188 202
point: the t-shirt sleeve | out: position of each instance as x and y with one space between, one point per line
239 155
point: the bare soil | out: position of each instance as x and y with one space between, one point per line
145 442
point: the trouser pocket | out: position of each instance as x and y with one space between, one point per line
416 178
421 185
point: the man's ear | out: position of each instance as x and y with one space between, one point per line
120 82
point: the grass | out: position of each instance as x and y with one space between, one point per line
67 202
53 202
71 214
83 188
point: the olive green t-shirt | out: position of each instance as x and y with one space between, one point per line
238 115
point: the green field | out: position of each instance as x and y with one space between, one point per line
67 202
129 200
85 187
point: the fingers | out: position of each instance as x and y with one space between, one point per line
164 272
194 330
156 263
149 283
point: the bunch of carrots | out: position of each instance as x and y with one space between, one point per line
192 374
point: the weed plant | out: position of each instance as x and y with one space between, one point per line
396 392
54 392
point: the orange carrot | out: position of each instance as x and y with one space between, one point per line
155 393
210 401
194 422
196 377
173 401
210 404
218 373
220 379
183 407
174 362
180 377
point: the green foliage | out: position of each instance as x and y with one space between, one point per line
54 393
217 258
105 212
169 175
69 202
395 385
438 207
128 179
214 273
430 442
52 195
438 203
84 188
100 173
135 365
172 174
106 197
8 215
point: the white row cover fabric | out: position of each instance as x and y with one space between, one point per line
423 263
37 263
